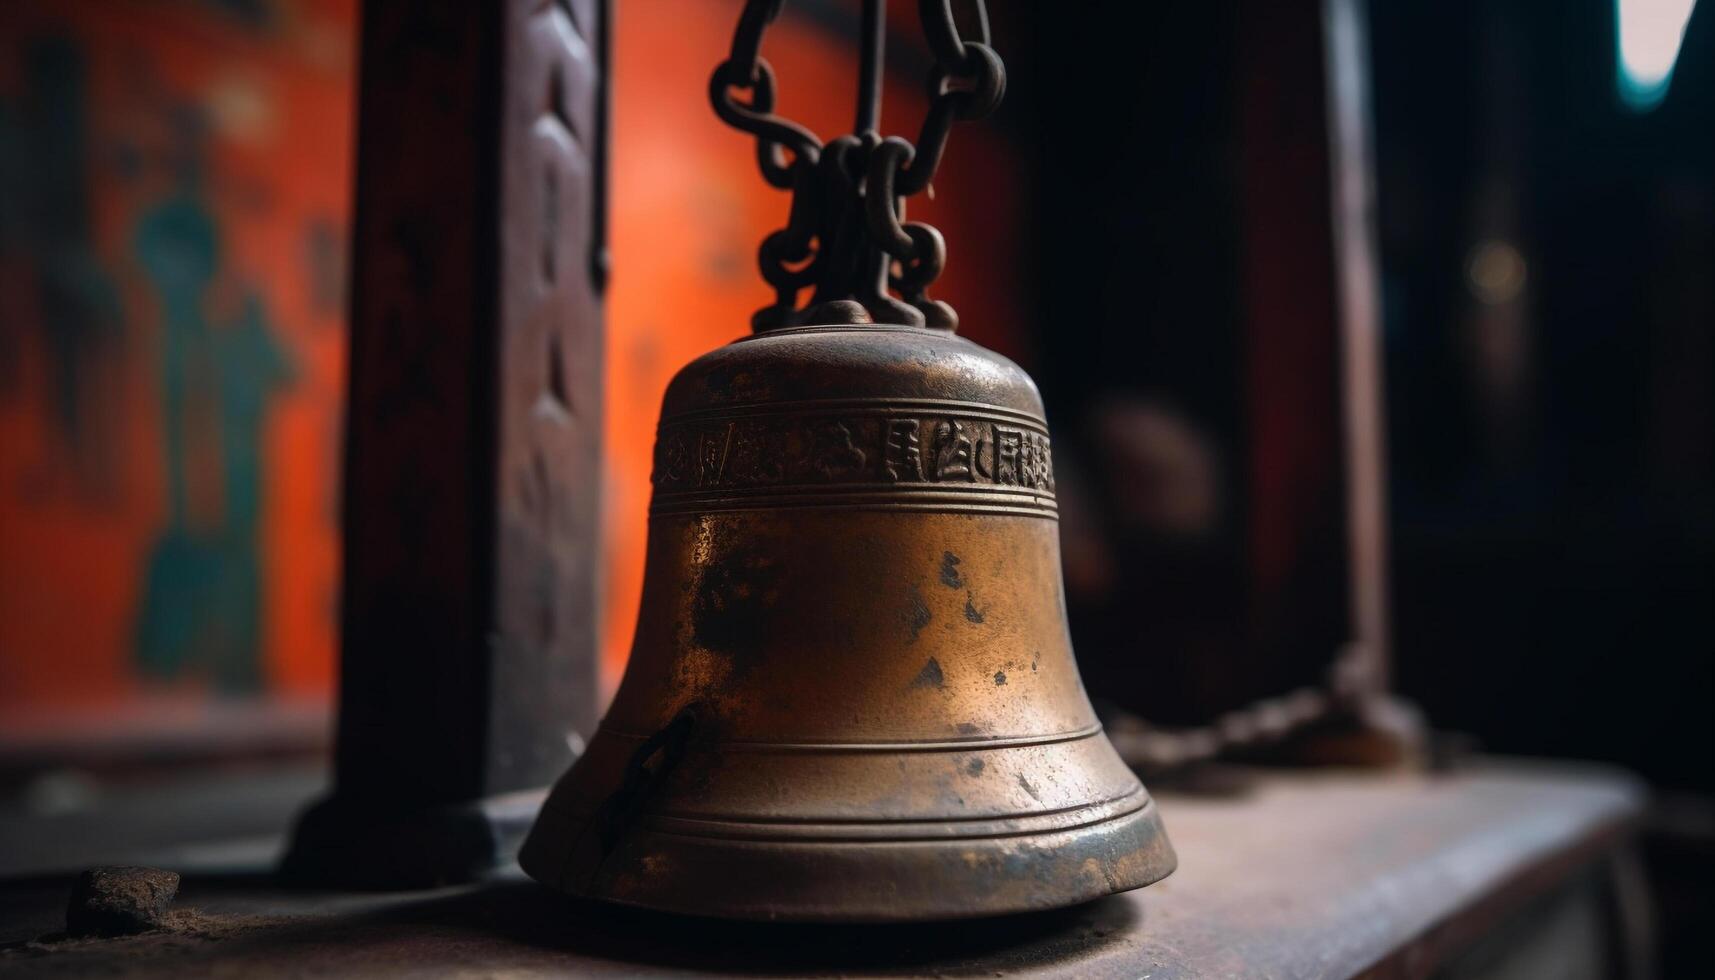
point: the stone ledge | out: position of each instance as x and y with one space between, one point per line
1310 874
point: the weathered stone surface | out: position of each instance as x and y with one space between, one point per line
119 901
1303 873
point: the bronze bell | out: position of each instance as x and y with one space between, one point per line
852 695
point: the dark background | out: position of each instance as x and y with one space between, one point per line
1547 266
1551 444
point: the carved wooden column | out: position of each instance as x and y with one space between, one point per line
472 458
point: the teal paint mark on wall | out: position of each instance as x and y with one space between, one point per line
202 605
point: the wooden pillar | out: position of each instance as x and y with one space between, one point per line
1313 292
468 662
1357 257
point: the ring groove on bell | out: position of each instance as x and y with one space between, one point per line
880 499
946 828
966 744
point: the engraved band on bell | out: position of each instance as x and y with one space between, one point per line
928 455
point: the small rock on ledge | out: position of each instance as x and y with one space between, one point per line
120 901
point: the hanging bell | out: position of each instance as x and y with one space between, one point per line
852 695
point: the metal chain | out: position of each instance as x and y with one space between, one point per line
1152 749
967 82
845 232
1263 722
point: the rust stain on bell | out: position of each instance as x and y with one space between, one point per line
852 696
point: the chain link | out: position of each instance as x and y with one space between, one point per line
1151 749
845 233
967 83
1264 722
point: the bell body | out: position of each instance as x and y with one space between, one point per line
852 695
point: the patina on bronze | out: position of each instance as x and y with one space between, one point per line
852 696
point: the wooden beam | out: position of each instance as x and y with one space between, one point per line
468 662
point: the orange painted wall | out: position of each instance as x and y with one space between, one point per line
177 185
236 116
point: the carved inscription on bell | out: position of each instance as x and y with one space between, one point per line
903 453
788 452
954 452
833 455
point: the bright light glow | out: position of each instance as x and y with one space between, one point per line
1650 32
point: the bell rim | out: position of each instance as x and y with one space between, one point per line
857 882
888 830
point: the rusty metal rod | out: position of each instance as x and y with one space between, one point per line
870 63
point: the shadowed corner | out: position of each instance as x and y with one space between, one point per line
531 915
517 924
